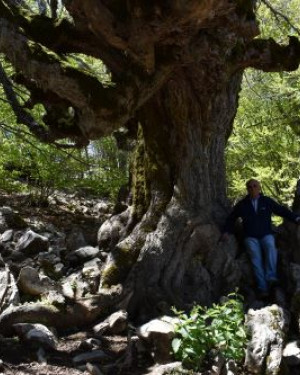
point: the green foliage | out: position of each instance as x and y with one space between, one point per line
28 165
219 327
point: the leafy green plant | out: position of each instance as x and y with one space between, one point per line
219 327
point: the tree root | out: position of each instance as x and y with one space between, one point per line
77 313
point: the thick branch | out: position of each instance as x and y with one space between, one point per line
140 28
99 110
24 117
269 56
64 37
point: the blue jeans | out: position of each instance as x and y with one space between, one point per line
263 255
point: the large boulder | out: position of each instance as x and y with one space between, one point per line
36 334
158 334
30 282
83 254
267 328
32 243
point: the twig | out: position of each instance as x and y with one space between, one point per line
278 13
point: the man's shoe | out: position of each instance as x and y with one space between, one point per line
263 294
273 284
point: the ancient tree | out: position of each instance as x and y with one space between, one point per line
175 69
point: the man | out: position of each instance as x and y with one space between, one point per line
256 210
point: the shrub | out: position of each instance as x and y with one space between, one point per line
219 327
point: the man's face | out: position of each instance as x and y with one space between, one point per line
253 188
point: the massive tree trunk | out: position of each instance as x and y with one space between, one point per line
175 69
179 197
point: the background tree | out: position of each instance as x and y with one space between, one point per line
28 165
175 71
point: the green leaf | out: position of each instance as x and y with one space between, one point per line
176 343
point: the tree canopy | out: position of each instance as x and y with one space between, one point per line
141 46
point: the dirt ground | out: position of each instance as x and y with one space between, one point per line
18 358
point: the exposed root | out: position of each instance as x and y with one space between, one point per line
75 314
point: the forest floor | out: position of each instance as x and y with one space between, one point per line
17 357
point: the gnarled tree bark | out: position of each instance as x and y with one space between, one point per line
176 69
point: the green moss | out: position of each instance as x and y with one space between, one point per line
150 169
140 182
110 275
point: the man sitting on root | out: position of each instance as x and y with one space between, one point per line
256 210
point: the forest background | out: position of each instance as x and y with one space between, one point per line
264 143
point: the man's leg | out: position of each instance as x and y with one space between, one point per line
255 252
271 256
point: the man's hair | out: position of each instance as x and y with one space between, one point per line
253 180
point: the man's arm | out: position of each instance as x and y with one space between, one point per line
282 211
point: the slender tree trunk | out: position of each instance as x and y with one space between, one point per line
169 254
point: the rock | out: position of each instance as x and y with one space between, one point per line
68 290
32 243
291 353
48 261
94 356
36 334
58 270
8 289
74 286
231 368
30 282
10 219
75 239
159 334
83 254
267 328
54 297
101 208
170 368
91 273
7 235
92 268
86 253
90 344
116 323
93 369
41 356
217 363
110 231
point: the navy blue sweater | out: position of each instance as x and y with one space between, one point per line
257 224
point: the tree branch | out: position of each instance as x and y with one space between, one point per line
63 36
21 115
269 56
98 110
